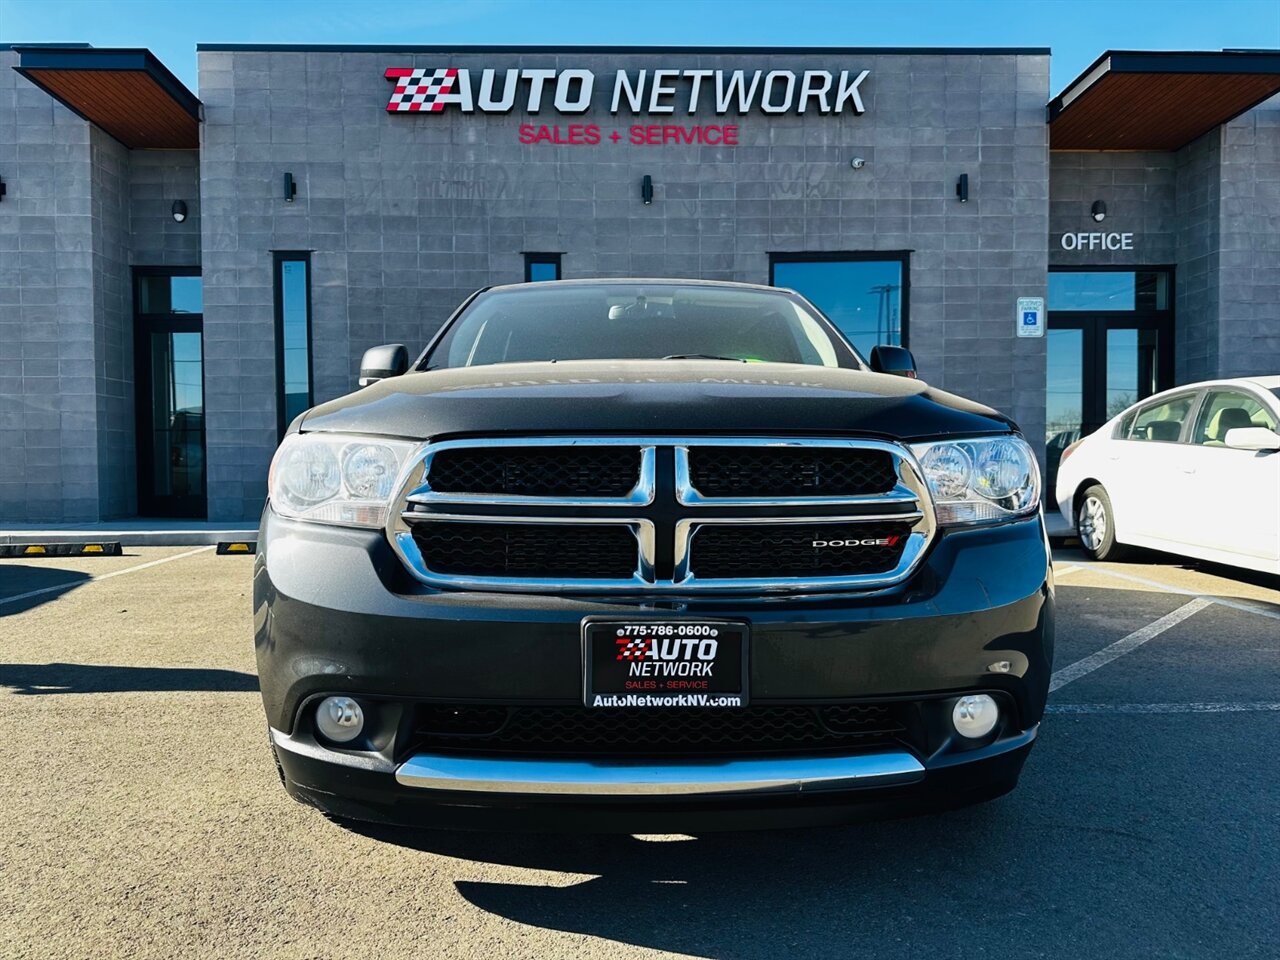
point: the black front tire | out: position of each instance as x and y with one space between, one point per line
1096 526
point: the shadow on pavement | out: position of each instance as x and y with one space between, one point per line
835 892
19 579
1116 844
42 678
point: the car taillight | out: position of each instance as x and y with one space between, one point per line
1071 448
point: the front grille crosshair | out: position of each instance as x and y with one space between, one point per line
578 731
606 551
729 551
549 513
785 471
536 471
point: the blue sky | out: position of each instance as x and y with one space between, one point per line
1077 30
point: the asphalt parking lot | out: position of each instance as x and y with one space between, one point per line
143 818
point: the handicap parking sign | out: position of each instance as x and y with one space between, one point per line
1030 316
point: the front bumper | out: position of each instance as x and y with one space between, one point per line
455 793
335 613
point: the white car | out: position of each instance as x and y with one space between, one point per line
1193 471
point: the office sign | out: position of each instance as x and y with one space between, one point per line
1030 316
1097 240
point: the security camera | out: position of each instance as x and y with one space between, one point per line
857 163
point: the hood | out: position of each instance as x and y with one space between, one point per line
654 397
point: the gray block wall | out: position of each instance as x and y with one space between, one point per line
48 383
80 210
1249 261
408 214
1199 228
112 326
156 179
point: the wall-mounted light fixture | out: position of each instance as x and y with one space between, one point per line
3 189
857 163
179 210
646 189
290 188
1098 210
962 188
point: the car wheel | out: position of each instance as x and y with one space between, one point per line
1096 526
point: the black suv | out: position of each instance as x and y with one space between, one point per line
644 556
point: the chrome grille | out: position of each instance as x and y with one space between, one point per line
720 472
727 551
736 514
598 551
537 471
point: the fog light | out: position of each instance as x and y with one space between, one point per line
975 716
340 719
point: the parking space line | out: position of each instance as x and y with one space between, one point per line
1259 707
1065 571
1126 644
1167 588
96 579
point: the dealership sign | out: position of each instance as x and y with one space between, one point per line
667 91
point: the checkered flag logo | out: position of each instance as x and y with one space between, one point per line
420 90
635 648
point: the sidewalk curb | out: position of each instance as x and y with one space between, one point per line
127 537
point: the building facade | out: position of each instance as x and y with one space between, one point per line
179 276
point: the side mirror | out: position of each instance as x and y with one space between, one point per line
897 361
379 363
1253 438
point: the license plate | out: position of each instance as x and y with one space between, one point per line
664 663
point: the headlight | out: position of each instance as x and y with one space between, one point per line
332 478
972 481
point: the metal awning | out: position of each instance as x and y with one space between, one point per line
126 92
1142 100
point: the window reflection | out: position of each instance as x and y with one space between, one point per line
541 266
170 295
295 338
1064 388
177 414
862 297
1109 290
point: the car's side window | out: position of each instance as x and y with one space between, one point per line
1124 426
1162 422
1225 410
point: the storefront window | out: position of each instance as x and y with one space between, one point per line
1109 290
863 294
293 336
541 266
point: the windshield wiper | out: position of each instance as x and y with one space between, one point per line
701 356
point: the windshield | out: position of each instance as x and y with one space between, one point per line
641 321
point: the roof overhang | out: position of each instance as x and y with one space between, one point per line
1142 100
127 93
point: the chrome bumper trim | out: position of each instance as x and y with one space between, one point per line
631 779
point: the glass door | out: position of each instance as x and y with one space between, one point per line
1110 344
169 365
